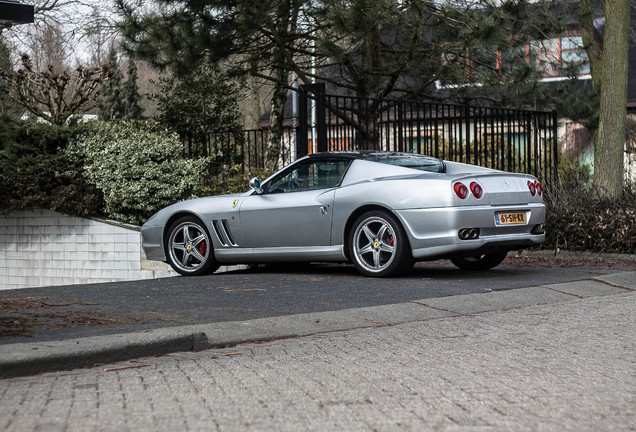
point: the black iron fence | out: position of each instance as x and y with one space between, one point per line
248 151
500 138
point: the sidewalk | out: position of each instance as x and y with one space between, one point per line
31 358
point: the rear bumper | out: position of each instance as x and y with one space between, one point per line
433 233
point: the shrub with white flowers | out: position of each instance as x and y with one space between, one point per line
138 167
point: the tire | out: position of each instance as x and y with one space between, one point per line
480 262
189 249
378 245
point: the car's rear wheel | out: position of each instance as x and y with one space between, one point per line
480 262
378 245
189 249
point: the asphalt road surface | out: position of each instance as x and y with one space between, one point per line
89 310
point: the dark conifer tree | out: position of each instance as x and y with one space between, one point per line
132 109
417 49
7 106
112 100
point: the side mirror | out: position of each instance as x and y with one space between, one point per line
255 184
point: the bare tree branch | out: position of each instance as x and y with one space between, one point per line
55 95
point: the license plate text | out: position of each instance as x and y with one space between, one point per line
510 218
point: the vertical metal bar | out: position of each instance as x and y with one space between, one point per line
555 148
467 137
399 143
321 124
302 138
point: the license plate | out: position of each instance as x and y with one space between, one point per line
510 218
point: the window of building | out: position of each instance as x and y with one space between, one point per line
559 57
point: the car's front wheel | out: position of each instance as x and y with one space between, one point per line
189 249
378 245
480 262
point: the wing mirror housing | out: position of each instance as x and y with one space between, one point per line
256 185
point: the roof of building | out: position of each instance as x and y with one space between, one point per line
13 12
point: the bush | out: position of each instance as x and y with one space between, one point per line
34 173
578 219
138 167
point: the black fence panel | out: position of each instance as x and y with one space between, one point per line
501 138
248 150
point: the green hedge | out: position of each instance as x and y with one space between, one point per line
125 171
35 172
138 167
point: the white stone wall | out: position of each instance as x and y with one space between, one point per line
630 169
44 248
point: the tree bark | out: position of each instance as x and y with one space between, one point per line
367 93
276 119
610 137
285 23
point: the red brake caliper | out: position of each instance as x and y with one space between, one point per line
391 241
203 247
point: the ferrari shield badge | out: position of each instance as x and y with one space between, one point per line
234 203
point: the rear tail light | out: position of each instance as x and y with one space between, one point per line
535 188
460 190
476 189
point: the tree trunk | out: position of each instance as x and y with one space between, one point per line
285 22
610 137
367 92
276 119
594 55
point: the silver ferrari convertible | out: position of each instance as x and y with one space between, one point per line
380 211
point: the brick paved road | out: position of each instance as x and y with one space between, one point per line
564 366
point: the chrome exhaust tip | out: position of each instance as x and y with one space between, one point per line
468 233
538 229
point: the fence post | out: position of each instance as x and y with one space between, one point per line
400 125
321 121
555 143
302 137
468 121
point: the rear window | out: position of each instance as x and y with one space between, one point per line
408 160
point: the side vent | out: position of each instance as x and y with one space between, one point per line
223 233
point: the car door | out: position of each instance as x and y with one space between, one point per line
296 207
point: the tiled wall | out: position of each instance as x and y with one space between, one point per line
44 248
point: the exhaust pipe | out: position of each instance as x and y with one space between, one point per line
538 229
468 233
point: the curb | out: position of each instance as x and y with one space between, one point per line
32 358
563 253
